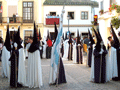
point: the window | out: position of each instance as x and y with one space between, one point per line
28 33
28 12
71 14
84 15
52 13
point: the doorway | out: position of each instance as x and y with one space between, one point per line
12 34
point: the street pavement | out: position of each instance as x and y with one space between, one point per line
77 77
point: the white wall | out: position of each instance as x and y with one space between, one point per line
77 13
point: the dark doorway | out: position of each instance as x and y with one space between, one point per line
12 34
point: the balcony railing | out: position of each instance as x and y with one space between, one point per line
50 21
14 20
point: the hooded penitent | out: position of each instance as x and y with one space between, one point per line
35 45
78 38
56 33
18 39
63 36
91 38
40 35
98 46
70 39
116 41
7 41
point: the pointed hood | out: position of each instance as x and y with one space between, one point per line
98 46
40 35
70 38
63 36
56 33
116 40
91 38
48 35
78 37
99 34
35 45
7 40
18 39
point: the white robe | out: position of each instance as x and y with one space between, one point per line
5 63
21 68
34 75
44 50
111 64
26 49
52 73
74 54
92 66
66 48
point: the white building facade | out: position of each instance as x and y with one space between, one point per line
80 11
105 18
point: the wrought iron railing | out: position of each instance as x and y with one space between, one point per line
14 20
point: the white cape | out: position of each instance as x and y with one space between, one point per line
52 76
74 53
34 75
5 63
44 51
92 66
21 68
66 47
26 49
111 64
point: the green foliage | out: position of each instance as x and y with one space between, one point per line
115 22
118 9
114 6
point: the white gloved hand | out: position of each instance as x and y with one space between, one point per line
15 44
78 44
101 51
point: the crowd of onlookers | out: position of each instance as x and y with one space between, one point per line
52 16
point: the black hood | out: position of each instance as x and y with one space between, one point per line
91 38
40 35
35 45
78 37
7 40
116 40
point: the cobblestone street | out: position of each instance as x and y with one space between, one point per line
77 76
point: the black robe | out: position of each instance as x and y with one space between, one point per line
61 76
70 52
90 55
99 67
78 54
14 69
62 50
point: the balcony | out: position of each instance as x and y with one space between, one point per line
50 21
14 20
